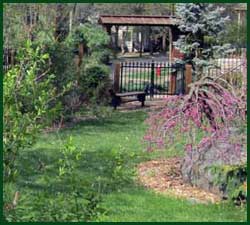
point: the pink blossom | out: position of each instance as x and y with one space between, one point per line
147 138
170 124
188 148
149 149
184 129
205 142
160 142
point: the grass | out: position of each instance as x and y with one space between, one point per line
139 205
111 148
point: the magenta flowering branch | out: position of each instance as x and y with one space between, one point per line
211 107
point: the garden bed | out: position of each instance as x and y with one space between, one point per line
164 176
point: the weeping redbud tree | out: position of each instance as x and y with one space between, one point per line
205 115
210 122
211 116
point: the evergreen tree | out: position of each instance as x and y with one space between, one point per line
202 24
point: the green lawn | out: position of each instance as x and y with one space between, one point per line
111 149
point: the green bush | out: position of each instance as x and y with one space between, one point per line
89 83
95 40
95 83
232 181
62 64
41 206
27 97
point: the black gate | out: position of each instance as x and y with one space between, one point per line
155 78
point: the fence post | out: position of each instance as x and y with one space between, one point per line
117 71
152 79
188 77
173 82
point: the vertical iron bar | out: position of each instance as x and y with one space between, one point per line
140 69
144 75
148 75
121 77
152 80
137 77
128 77
164 77
168 77
183 78
131 76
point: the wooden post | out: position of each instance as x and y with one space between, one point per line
123 43
116 37
151 41
188 77
81 53
164 41
170 45
108 29
140 40
173 82
117 77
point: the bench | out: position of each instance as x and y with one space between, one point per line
118 98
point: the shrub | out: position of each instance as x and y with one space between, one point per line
28 92
62 64
64 68
89 79
94 38
232 181
208 118
40 206
95 82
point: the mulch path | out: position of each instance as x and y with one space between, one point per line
164 176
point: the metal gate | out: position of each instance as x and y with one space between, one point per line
155 78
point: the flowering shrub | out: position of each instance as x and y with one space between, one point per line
211 108
209 120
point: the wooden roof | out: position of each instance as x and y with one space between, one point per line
242 8
135 20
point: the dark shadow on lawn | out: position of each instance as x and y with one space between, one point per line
100 169
34 164
118 121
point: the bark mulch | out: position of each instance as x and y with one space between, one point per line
164 176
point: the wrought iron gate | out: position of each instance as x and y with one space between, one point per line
155 78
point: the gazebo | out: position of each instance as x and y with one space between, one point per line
170 22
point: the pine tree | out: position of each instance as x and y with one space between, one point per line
202 24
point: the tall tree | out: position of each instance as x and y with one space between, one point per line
203 23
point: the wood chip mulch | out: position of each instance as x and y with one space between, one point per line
164 176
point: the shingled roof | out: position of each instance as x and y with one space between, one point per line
135 20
